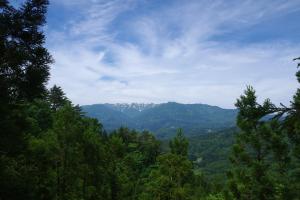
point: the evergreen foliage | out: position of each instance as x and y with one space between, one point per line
49 150
265 157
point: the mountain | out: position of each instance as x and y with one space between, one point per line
163 119
131 110
109 117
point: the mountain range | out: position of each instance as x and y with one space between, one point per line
163 119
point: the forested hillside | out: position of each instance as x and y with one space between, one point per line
209 153
50 150
163 119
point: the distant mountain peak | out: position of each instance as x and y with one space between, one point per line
163 119
125 107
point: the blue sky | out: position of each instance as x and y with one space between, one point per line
203 51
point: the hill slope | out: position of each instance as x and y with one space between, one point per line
163 119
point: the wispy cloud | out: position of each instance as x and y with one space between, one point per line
150 51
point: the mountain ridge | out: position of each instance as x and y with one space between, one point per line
163 119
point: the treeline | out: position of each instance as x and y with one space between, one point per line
68 156
50 150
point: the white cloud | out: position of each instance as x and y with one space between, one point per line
171 56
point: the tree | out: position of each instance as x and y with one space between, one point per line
291 127
24 72
56 97
262 160
24 61
24 67
179 145
249 177
149 146
131 155
172 176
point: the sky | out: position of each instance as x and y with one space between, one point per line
187 51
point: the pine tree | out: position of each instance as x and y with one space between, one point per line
57 98
262 160
24 72
249 177
179 145
24 67
24 60
291 126
172 176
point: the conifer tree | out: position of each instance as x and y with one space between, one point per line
56 97
291 127
265 159
24 60
172 177
249 177
24 72
24 67
179 145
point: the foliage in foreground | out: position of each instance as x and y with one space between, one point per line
265 159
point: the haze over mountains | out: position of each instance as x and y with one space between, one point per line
163 119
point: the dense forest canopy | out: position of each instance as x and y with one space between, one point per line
50 150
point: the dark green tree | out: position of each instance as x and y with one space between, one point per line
24 60
24 67
250 178
265 159
24 72
179 145
57 98
172 177
291 126
131 154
